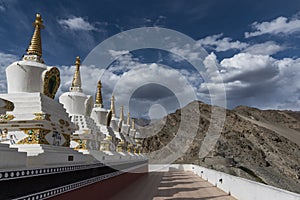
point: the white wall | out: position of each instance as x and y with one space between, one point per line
239 188
25 76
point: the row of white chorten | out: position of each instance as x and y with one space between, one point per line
32 118
98 128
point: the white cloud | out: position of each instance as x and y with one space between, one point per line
254 80
77 23
5 60
221 44
261 81
160 20
192 53
89 76
117 53
158 85
266 48
280 25
132 75
2 8
249 68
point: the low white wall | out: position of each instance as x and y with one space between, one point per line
239 188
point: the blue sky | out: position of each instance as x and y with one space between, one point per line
256 43
197 19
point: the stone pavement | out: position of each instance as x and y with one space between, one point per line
175 185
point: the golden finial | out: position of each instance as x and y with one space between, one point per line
76 83
99 95
133 124
78 61
112 106
122 113
35 46
128 119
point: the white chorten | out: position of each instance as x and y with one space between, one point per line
75 101
132 133
102 117
99 114
114 120
125 132
31 74
78 105
32 121
36 124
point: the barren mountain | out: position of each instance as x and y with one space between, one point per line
261 145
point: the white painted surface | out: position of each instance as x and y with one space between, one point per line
43 155
239 188
11 158
26 104
88 130
3 106
25 76
99 115
114 123
76 102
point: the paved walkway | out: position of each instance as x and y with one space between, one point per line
171 185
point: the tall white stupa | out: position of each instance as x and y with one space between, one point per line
31 74
49 148
125 132
75 101
102 117
79 106
33 122
38 124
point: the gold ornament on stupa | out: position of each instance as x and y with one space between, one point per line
34 51
99 100
76 83
133 124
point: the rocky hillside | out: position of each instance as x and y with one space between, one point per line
261 145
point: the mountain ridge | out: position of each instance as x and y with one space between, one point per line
260 145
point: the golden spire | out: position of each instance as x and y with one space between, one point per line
122 113
112 106
133 124
128 119
76 83
99 95
35 46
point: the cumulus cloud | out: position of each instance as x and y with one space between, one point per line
280 25
248 79
77 23
89 76
5 60
159 21
145 84
266 48
217 43
187 52
249 68
151 84
261 81
221 44
289 90
117 53
2 8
